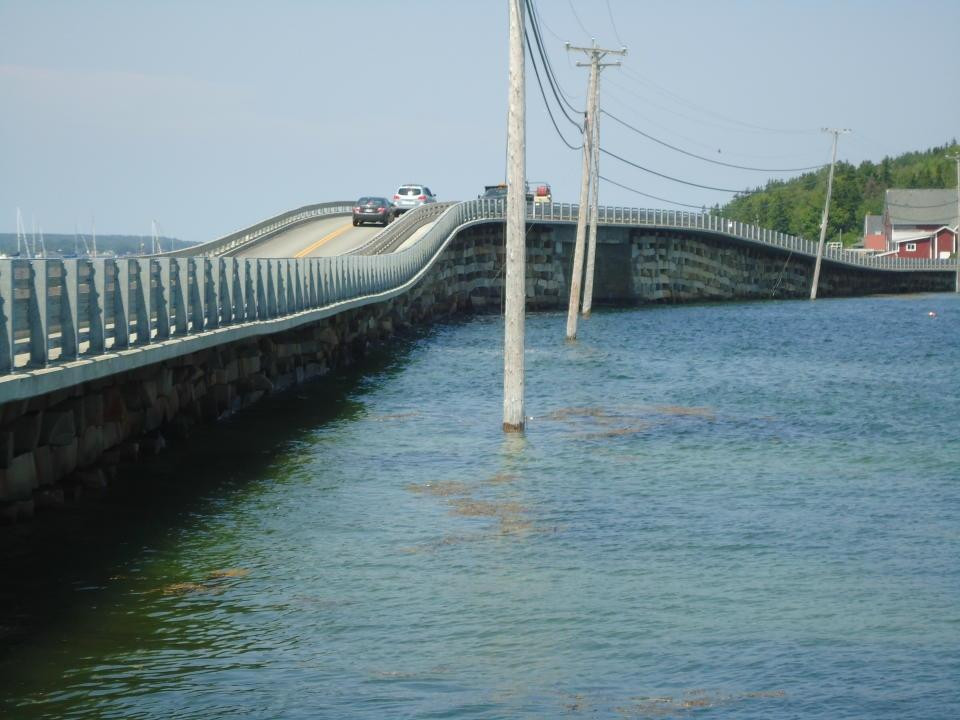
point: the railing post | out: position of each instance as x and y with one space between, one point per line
262 291
227 292
37 317
270 301
248 289
195 287
121 303
280 289
161 300
291 281
7 354
69 312
180 288
144 304
97 306
212 296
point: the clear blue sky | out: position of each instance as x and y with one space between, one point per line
209 116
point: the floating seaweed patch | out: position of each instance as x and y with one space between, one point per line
394 416
444 542
470 507
684 411
688 702
501 478
576 412
215 582
440 489
617 432
183 588
229 573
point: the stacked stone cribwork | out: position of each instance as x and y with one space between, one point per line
57 447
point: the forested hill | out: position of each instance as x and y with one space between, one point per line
795 206
59 245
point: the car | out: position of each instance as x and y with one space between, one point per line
372 209
412 196
541 194
494 192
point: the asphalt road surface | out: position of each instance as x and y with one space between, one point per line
319 238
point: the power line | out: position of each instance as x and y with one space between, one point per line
614 24
548 68
535 24
701 157
654 197
695 106
543 94
920 207
669 177
577 18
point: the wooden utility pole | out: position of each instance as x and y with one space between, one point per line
826 212
956 231
595 54
516 250
594 192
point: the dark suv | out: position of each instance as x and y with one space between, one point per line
372 209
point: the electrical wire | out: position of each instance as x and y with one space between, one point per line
543 94
952 203
614 24
577 18
701 157
695 106
548 67
669 177
654 197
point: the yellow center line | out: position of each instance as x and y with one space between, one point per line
326 238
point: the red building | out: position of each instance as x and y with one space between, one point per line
921 223
939 243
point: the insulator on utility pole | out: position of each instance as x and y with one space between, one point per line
516 250
590 138
826 212
956 229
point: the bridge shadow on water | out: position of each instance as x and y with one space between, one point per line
49 565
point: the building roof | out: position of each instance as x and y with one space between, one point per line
922 207
873 225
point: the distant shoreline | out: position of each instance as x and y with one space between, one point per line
62 245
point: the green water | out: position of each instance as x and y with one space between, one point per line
740 510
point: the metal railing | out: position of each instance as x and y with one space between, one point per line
66 309
263 230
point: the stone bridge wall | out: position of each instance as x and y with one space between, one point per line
56 448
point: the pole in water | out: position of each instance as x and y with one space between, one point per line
515 275
826 212
594 195
595 54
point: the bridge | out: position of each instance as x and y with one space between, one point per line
98 355
72 320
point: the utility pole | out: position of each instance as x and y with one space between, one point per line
516 231
594 194
826 211
590 140
956 231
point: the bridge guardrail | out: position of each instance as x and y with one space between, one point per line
59 310
262 230
396 232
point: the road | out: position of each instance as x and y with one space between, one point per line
319 238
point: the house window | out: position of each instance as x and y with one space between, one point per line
911 247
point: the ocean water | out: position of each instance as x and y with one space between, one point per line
744 510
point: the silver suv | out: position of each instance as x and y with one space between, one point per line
408 197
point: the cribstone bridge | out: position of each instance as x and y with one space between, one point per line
101 359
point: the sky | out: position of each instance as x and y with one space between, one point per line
207 117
